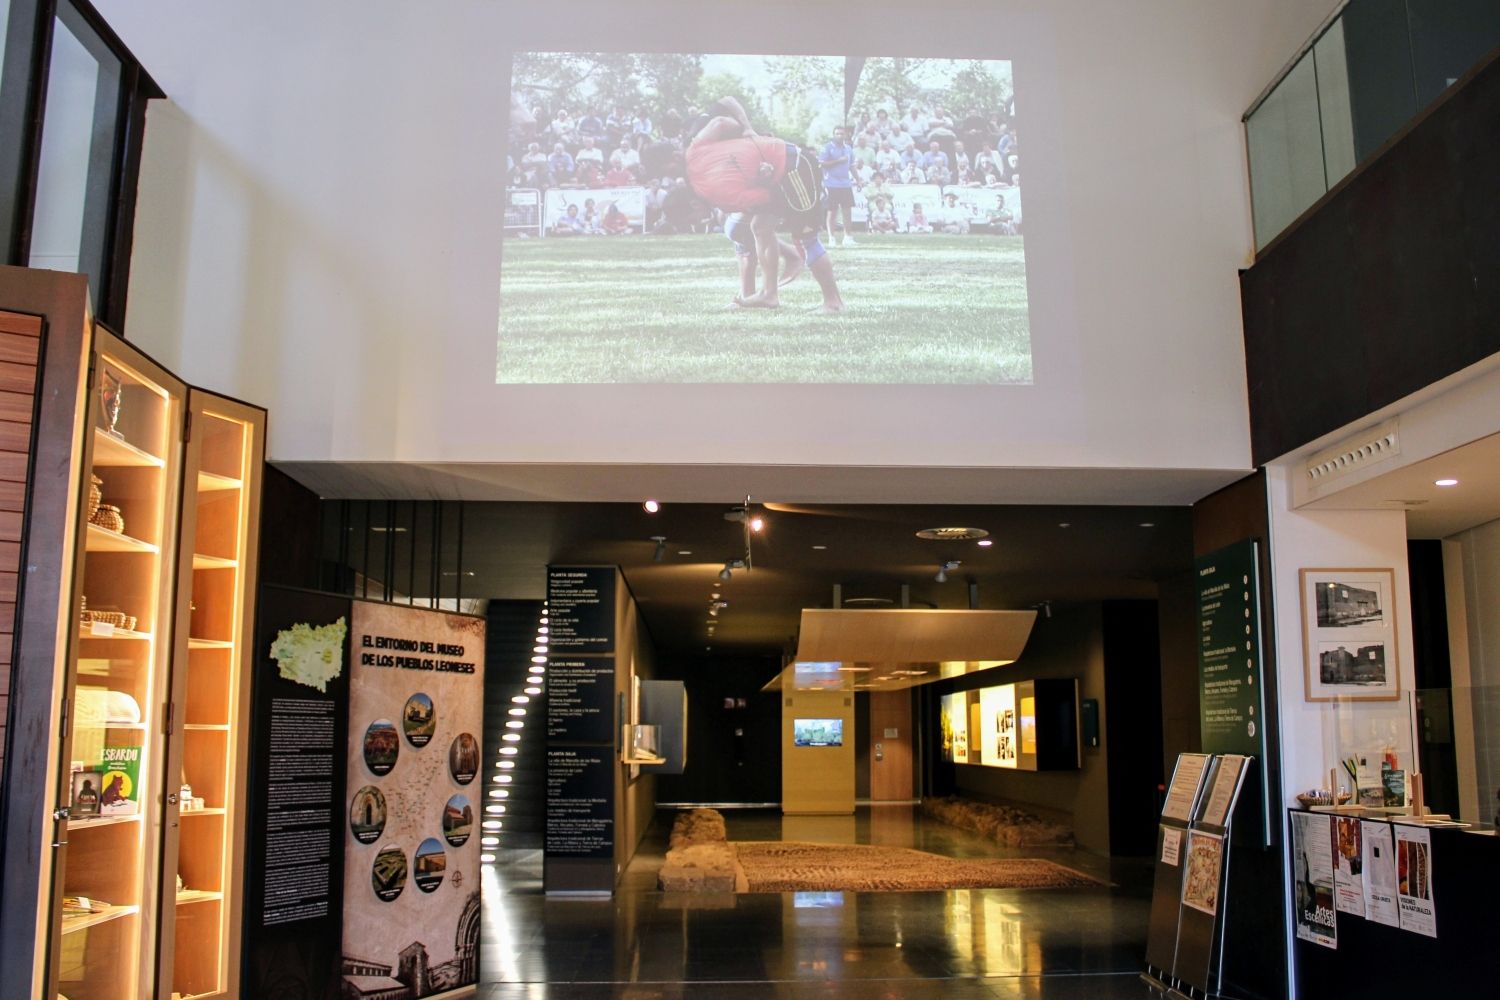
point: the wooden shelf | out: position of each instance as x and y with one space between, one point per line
87 632
203 727
205 811
113 452
104 916
197 896
210 644
212 482
201 561
103 540
94 822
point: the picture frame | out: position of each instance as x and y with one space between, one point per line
1349 635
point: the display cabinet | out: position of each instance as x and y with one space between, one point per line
210 698
124 794
111 770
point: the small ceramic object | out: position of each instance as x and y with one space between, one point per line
96 495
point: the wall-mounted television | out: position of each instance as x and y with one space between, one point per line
818 732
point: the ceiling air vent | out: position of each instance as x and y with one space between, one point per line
1367 448
952 534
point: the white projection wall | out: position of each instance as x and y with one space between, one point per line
321 205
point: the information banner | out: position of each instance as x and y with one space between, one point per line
580 803
1312 878
581 609
1230 689
294 864
410 822
580 699
1414 879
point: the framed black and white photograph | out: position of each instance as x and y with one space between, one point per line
1349 635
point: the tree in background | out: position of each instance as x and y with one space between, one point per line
977 87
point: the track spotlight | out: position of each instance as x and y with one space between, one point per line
661 548
651 506
942 573
757 523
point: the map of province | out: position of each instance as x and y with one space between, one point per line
311 655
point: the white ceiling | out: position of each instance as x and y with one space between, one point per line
1433 511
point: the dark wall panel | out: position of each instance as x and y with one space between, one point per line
290 532
1392 284
733 753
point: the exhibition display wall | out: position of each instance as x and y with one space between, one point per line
1028 726
364 866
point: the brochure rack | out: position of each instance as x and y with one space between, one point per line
1185 944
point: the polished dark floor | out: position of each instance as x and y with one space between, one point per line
1056 944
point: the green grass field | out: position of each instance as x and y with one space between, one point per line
920 309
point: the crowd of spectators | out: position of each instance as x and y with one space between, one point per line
917 144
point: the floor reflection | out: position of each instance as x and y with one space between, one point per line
1059 943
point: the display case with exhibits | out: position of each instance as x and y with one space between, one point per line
110 778
207 755
139 894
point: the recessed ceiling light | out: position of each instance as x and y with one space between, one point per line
1446 482
714 596
684 552
1065 524
820 548
651 506
1148 524
985 543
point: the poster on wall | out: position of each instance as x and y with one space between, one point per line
1378 849
955 725
295 848
1349 866
411 843
999 738
1312 878
1414 880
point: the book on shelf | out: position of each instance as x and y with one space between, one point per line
120 767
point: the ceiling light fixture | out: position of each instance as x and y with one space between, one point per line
1148 524
819 548
942 573
1445 482
661 548
985 543
651 506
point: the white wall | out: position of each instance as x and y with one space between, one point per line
1313 539
321 204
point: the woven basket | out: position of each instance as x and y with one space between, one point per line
96 495
109 518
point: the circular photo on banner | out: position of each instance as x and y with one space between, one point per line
388 873
367 814
463 758
429 865
382 746
458 820
419 720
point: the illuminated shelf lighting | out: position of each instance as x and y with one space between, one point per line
511 737
507 764
514 724
103 540
486 859
489 841
533 690
503 779
517 711
509 752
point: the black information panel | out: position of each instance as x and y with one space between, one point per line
581 608
580 699
580 803
1230 679
295 868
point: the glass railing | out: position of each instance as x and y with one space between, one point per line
1370 69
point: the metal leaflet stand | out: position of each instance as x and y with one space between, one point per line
1183 795
1198 969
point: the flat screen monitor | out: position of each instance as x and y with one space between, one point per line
818 732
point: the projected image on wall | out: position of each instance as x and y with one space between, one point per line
699 218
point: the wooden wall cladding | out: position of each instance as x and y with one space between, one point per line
20 352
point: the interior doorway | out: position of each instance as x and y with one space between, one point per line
888 750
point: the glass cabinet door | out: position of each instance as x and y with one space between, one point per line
201 899
110 830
